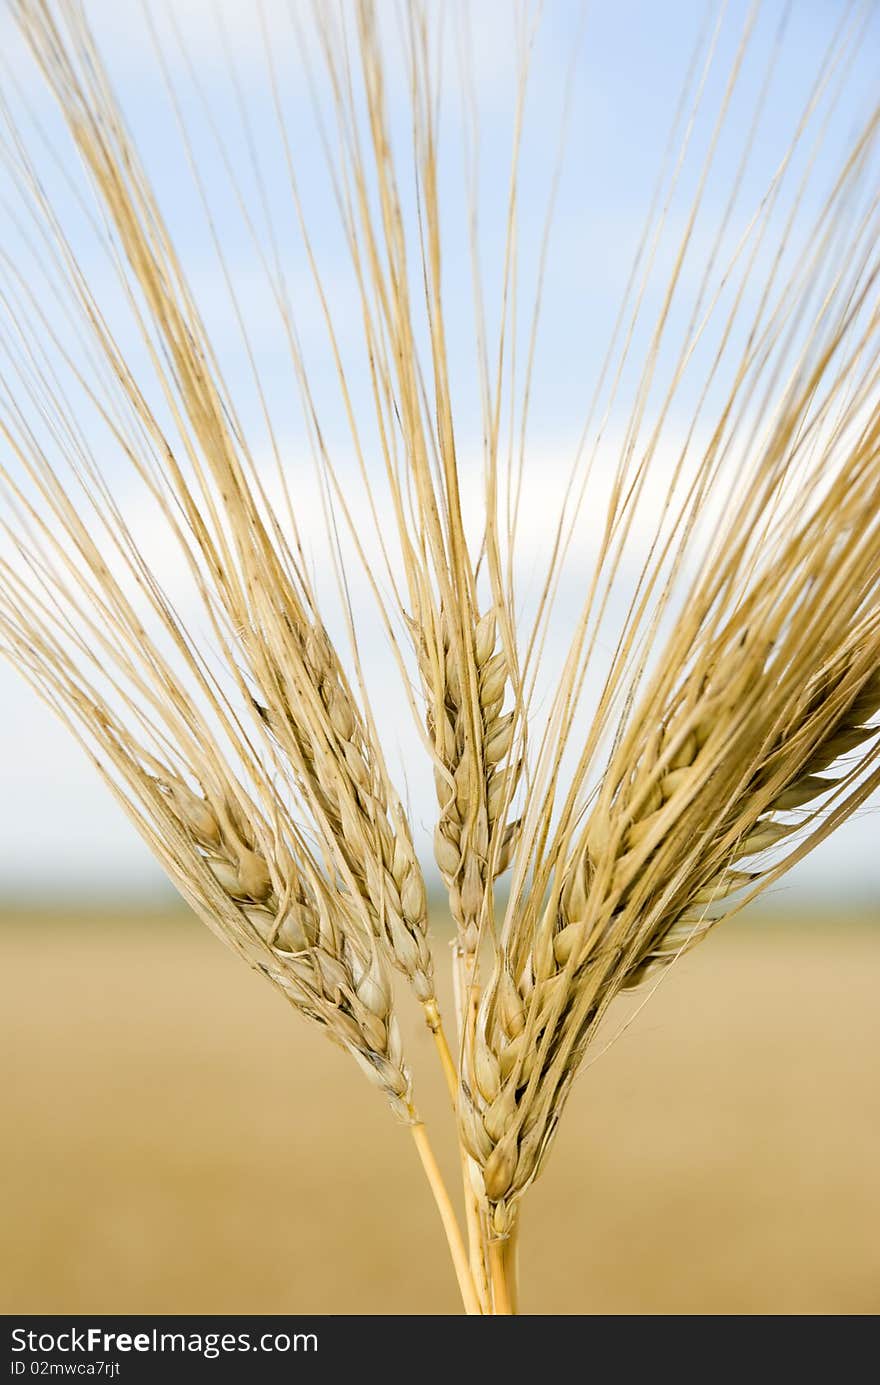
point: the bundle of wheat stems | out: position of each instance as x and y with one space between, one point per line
734 720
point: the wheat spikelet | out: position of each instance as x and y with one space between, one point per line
314 716
473 842
848 731
314 951
317 955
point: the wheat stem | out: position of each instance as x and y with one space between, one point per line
501 1301
466 1009
472 1210
447 1216
447 1062
511 1264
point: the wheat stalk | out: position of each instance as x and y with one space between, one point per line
734 720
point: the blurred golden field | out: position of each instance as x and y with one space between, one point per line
177 1140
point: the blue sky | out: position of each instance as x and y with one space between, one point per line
59 828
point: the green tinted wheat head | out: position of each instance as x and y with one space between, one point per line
735 691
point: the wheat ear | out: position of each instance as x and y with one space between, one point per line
730 761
